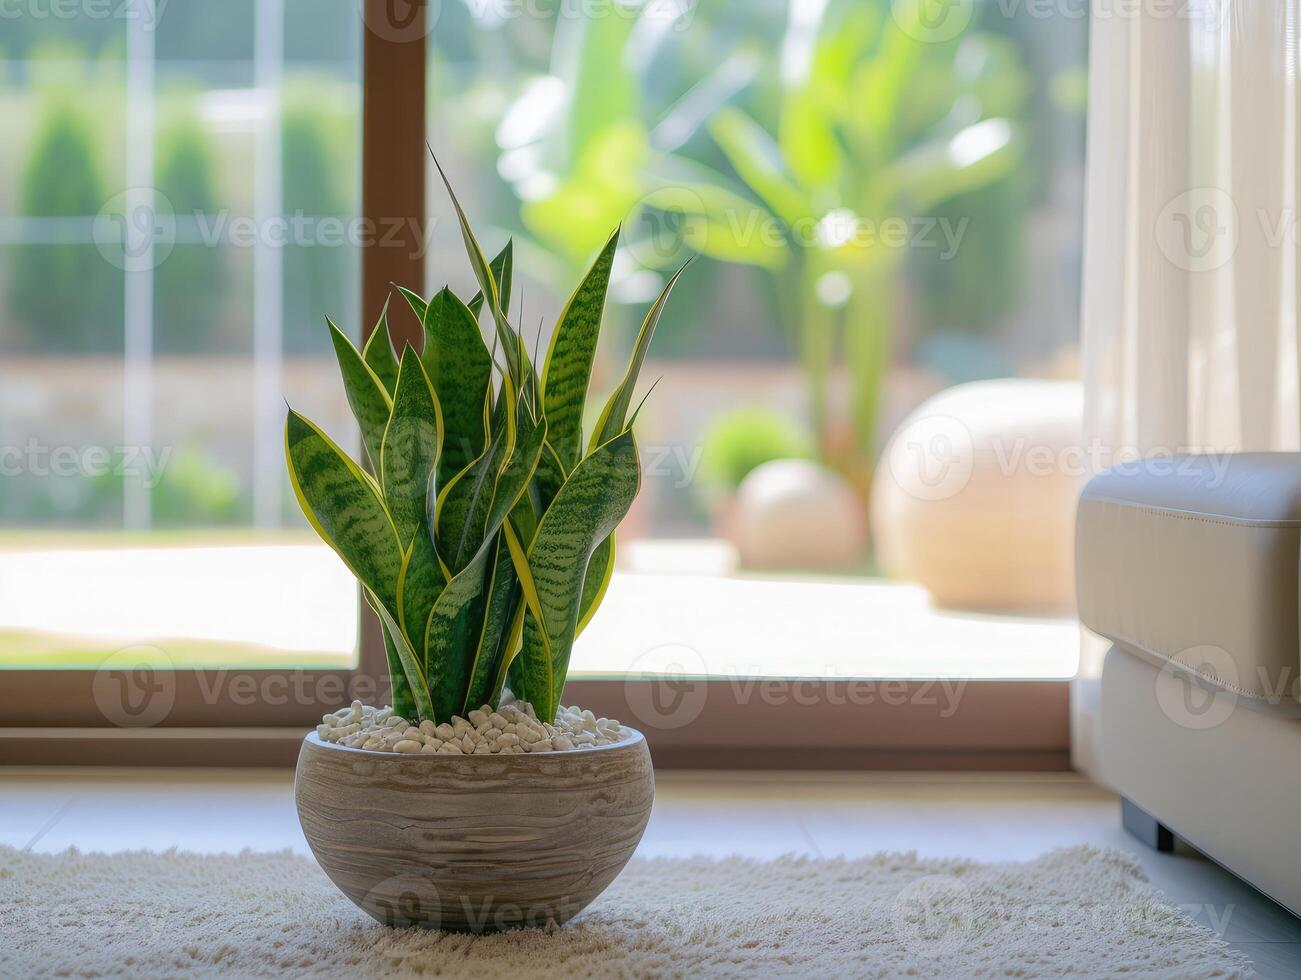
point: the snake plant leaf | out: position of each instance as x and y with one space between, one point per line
417 681
344 505
500 610
378 352
367 396
411 447
585 512
568 367
402 701
502 267
456 627
413 300
452 632
460 369
512 346
420 583
461 509
550 478
600 570
615 414
510 645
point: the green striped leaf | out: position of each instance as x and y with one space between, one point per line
413 300
615 414
411 447
343 504
595 583
585 512
460 369
510 644
419 586
417 681
367 396
456 627
462 506
502 268
401 700
498 612
378 352
568 368
512 346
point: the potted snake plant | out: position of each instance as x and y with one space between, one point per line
481 533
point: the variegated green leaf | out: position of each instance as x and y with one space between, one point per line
585 512
414 301
462 506
411 447
344 505
456 624
568 368
419 586
502 268
512 346
615 415
417 680
510 642
460 369
597 580
401 700
551 476
378 353
498 612
367 396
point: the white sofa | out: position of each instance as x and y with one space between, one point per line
1189 566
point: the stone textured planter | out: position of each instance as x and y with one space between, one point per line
473 843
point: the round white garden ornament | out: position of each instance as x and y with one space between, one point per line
794 513
975 495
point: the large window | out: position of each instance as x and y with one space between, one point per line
882 202
179 185
883 199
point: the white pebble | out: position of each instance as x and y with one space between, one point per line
510 730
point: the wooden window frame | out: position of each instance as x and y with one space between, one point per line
216 717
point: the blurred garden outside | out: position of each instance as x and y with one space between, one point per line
780 144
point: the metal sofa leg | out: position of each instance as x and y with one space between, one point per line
1146 827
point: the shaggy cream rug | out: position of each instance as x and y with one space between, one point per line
1079 912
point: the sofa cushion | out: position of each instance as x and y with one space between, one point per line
1191 562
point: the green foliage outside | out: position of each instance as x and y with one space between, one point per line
65 298
318 163
738 441
191 283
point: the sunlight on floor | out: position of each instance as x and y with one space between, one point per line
288 604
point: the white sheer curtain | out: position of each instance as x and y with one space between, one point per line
1190 258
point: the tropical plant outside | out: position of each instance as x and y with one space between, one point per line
484 543
827 177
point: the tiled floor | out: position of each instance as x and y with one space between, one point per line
988 817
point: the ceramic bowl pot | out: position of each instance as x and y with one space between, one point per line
473 843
